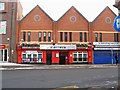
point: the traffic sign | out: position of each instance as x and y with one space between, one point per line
117 23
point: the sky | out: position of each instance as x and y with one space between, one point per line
90 9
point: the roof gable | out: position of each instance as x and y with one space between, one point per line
36 19
105 10
40 10
104 21
70 10
72 20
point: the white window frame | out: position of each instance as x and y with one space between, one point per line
3 55
1 23
32 55
2 6
78 56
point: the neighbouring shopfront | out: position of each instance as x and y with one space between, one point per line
3 53
104 52
54 54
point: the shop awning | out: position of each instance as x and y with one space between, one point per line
84 46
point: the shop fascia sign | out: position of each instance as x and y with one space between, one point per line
106 44
2 46
30 46
106 48
30 52
57 47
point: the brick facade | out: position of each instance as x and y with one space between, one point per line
75 26
11 13
31 24
71 29
102 24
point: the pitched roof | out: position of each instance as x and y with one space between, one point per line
102 12
40 9
70 10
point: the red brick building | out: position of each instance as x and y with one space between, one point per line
57 40
105 38
67 40
72 29
10 12
103 27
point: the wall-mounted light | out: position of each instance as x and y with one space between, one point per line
22 40
51 40
12 51
8 39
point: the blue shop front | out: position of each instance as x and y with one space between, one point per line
104 52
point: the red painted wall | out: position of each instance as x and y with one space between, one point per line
19 55
54 58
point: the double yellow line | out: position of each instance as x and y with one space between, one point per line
67 87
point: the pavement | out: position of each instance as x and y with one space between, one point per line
15 66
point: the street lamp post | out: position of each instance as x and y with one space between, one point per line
112 54
12 51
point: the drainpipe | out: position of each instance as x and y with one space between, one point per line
13 33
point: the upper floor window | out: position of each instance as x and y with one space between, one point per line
80 36
29 34
85 37
116 37
44 35
49 36
70 36
96 37
2 6
39 36
65 36
3 27
100 37
24 36
61 36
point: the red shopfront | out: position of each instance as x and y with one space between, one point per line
54 54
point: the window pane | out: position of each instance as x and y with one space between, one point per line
1 54
75 57
85 37
100 37
24 56
39 56
24 36
96 37
44 36
65 36
80 36
29 34
29 56
39 36
49 36
70 36
3 27
85 57
34 55
61 36
80 57
2 6
116 37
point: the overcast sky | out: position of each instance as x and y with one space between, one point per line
90 9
